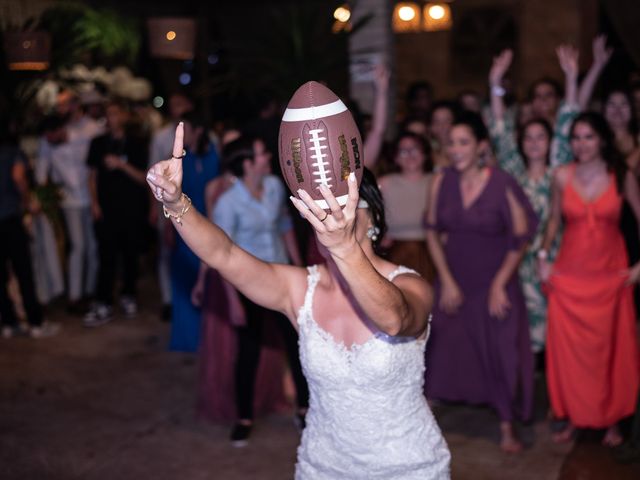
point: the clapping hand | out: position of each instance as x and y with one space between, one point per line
165 177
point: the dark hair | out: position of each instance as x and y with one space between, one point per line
413 119
557 88
265 98
416 87
464 93
183 94
120 103
632 126
235 153
521 131
474 122
196 121
422 142
370 193
356 113
448 104
51 123
610 154
7 131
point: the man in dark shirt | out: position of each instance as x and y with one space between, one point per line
14 199
119 200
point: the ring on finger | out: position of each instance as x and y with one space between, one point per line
184 153
326 215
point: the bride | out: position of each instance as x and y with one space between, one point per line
363 326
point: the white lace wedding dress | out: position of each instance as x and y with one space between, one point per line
368 418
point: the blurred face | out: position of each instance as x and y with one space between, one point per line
535 142
191 135
67 103
617 110
463 149
422 101
525 113
261 158
57 136
545 100
470 102
410 157
179 105
116 117
441 122
585 143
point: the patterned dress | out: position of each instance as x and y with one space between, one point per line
539 194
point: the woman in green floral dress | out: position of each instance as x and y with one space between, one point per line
531 162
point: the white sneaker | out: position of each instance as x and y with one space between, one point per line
129 306
8 332
98 315
47 329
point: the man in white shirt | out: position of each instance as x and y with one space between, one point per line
62 159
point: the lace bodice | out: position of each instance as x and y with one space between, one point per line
368 417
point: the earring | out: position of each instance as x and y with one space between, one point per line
372 233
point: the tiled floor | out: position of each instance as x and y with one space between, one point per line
112 403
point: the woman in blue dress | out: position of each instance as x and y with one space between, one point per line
201 165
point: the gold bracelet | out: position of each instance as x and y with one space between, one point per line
186 205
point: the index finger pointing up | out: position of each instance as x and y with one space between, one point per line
178 141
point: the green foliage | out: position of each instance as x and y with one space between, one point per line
80 34
291 44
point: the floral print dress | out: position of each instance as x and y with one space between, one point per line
538 192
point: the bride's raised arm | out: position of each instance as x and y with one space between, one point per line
263 283
400 307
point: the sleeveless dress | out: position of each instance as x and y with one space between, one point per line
368 418
592 351
405 203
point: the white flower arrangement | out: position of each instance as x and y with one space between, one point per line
119 82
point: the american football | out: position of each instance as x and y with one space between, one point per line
319 143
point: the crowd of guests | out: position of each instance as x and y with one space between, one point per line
522 215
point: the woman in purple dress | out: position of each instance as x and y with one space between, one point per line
479 222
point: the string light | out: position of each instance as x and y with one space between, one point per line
342 14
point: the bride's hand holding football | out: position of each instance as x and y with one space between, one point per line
334 230
165 177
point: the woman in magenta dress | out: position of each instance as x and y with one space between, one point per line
479 223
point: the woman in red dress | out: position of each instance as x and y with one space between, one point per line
592 351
